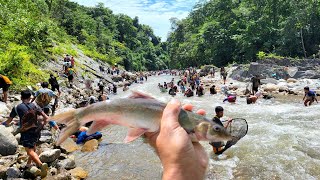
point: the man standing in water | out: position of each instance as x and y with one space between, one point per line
218 146
255 84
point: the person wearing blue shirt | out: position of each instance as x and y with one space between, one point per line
309 96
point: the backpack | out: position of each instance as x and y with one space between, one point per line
43 99
6 79
30 120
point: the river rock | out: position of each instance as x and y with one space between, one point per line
50 156
53 171
63 176
69 146
4 110
91 145
79 173
270 87
13 172
46 136
292 80
8 160
269 81
117 78
66 164
8 143
32 173
3 171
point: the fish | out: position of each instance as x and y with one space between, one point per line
139 112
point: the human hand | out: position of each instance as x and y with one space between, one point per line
181 158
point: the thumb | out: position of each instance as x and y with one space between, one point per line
170 115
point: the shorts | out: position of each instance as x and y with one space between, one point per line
29 138
5 87
54 87
254 88
52 123
310 98
70 77
46 111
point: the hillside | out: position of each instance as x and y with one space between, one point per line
36 32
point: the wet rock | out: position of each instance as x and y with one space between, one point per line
18 136
8 160
292 80
3 108
8 143
117 78
269 81
13 172
3 171
53 171
66 164
79 173
63 156
69 146
270 87
31 173
90 146
63 176
50 156
46 136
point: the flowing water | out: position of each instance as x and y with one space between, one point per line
283 142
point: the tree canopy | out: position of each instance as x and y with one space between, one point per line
225 31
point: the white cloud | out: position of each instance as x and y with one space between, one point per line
155 13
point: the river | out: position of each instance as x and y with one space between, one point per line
283 142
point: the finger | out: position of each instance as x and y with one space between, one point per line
170 116
202 155
187 107
201 112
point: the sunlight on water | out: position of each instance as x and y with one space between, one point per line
283 142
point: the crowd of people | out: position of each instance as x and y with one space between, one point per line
39 103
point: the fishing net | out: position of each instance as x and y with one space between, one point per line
238 128
292 71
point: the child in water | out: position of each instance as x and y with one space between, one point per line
309 96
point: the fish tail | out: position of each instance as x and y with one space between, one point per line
72 124
65 117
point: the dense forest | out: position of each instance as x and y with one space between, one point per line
36 31
224 31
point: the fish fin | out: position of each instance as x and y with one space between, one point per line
68 131
133 134
65 117
139 95
97 126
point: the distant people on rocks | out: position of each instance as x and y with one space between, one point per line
224 75
309 96
72 62
255 84
212 72
189 93
125 87
43 99
71 74
66 63
5 83
54 84
101 87
213 90
29 127
200 90
114 89
82 136
165 85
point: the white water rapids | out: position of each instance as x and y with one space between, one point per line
283 142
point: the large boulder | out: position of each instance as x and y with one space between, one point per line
292 80
69 146
79 173
50 156
3 108
66 164
3 171
8 143
13 172
91 145
270 87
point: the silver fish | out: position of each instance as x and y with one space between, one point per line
141 113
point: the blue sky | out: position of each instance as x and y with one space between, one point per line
155 13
